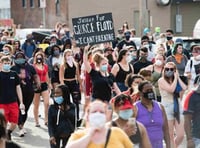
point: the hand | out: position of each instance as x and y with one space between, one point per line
21 106
130 129
52 140
190 143
189 75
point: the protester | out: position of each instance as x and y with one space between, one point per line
54 62
28 77
42 71
96 133
152 115
156 73
69 74
142 62
61 117
102 81
137 133
122 68
170 86
193 65
169 43
125 42
191 114
9 93
132 81
179 59
29 46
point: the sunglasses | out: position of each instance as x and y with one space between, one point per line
169 69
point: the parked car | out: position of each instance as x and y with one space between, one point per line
38 34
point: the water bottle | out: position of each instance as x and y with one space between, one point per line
22 111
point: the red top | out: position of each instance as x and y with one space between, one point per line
42 73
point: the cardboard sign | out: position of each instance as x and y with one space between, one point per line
93 29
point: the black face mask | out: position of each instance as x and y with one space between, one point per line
39 60
149 95
169 38
127 37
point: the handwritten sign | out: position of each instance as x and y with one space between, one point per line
93 29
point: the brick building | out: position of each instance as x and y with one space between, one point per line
180 15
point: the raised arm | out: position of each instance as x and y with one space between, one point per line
85 60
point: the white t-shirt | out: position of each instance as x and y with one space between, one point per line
190 68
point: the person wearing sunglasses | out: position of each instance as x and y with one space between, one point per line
170 86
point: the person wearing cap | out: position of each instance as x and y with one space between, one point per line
191 112
192 67
126 42
152 115
135 130
169 36
28 76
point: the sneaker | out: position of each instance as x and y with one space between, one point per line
24 130
21 133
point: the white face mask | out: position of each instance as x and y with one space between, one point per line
158 62
128 59
69 60
97 119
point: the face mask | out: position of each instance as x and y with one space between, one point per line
6 52
147 46
97 119
158 62
56 52
128 58
149 95
143 57
69 58
20 61
6 67
169 73
197 58
104 68
59 100
39 60
127 37
125 114
169 38
134 57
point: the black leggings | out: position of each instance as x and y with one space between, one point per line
28 95
58 139
74 90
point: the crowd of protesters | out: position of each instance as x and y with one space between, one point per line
142 95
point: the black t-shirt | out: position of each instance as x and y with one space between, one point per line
139 65
101 86
193 107
125 43
8 83
30 72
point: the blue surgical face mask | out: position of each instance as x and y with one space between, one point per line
56 52
20 61
104 68
59 100
6 67
126 114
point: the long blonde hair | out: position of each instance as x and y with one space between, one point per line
64 61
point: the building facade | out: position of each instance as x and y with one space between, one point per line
33 13
179 15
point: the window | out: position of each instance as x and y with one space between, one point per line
57 2
31 3
24 3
